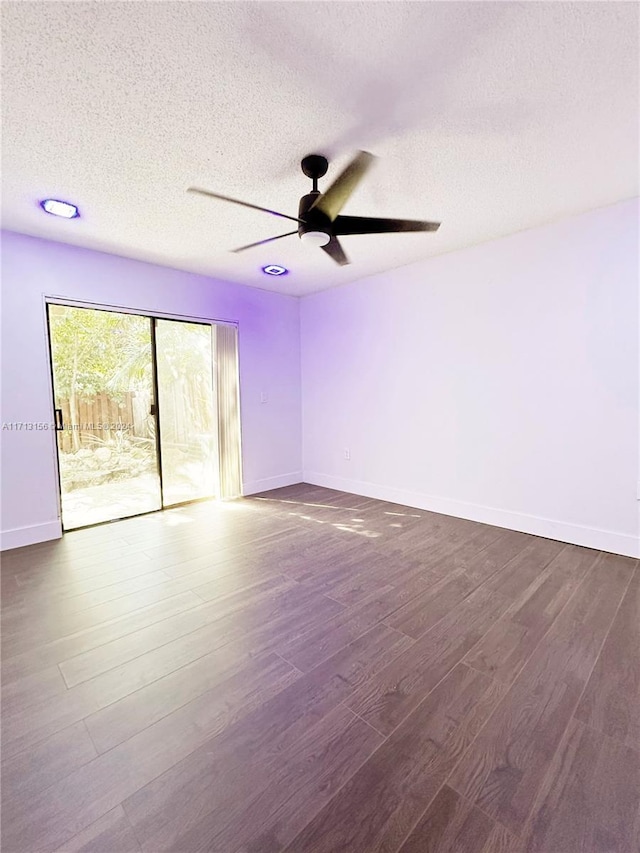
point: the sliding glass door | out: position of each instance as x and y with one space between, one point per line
104 400
144 409
188 429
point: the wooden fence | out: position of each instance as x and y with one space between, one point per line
102 417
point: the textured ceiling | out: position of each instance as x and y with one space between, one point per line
489 117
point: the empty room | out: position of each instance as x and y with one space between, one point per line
320 463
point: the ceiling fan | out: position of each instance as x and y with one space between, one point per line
319 222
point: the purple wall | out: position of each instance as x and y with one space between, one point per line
269 336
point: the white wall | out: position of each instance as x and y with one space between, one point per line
499 383
269 336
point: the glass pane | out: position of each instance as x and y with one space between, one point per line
103 386
228 411
188 437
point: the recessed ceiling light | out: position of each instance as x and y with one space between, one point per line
274 269
60 208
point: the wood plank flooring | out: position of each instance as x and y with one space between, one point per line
316 672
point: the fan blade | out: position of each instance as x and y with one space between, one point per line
262 242
370 225
334 199
242 203
335 250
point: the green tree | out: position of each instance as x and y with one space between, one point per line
97 352
104 352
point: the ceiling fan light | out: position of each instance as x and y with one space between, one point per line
315 238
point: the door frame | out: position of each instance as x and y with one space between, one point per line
156 408
151 315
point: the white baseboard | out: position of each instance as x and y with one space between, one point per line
589 537
31 535
269 483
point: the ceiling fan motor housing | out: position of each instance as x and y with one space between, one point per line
319 220
315 223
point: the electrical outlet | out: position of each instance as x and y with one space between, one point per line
264 397
347 454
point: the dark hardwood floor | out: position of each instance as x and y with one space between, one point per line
308 670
